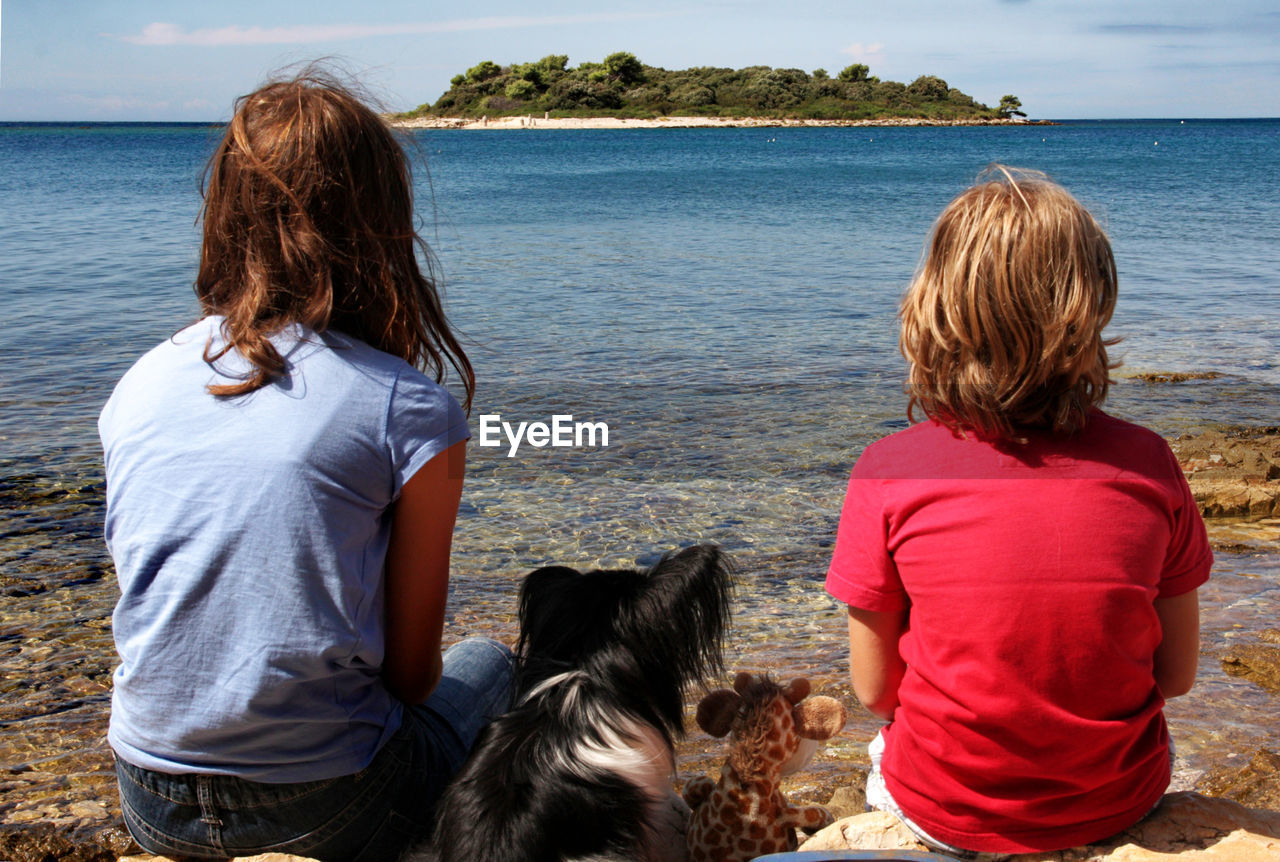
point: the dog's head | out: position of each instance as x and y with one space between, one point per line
647 633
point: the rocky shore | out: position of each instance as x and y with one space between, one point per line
1187 826
562 123
1234 475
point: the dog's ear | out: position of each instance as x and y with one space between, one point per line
716 711
541 581
539 609
675 624
796 690
819 717
546 576
689 592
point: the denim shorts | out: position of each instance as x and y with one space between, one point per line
371 815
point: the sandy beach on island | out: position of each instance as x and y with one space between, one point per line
564 123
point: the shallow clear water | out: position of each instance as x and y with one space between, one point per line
723 299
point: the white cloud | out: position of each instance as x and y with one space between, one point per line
161 33
869 54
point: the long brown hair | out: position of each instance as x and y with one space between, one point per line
308 219
1003 323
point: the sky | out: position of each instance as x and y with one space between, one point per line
158 60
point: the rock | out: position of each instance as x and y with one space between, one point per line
848 801
873 830
92 810
1233 473
1256 784
1175 376
1237 498
27 816
1186 826
1238 846
47 842
1259 663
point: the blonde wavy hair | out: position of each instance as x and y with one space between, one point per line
1002 324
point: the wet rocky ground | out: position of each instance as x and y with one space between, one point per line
57 795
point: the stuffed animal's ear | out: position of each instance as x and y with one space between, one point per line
819 717
796 690
742 682
716 711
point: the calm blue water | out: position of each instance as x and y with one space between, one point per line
723 299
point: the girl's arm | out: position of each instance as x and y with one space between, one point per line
1179 650
875 665
417 574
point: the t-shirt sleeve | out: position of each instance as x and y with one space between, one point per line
862 573
1189 557
423 420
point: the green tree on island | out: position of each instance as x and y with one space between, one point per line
856 72
622 86
624 67
929 86
1011 106
483 71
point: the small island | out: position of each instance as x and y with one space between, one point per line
622 92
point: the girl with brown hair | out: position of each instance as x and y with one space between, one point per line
1020 568
283 478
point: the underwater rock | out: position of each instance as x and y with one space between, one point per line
47 842
1186 826
1257 662
1174 376
1256 784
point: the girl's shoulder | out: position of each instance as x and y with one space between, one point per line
922 449
1109 439
163 371
1107 447
323 370
1105 427
368 361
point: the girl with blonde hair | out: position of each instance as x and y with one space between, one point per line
1020 568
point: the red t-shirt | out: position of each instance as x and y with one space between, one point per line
1029 717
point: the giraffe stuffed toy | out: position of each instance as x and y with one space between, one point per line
775 732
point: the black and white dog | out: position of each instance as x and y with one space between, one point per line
581 767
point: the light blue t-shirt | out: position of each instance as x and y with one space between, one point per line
249 536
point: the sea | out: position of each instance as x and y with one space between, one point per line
722 300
